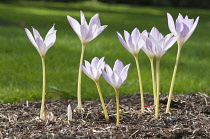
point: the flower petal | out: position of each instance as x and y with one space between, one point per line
50 39
52 30
36 34
107 77
94 62
171 24
192 29
95 20
122 41
135 35
124 72
101 64
83 20
86 71
184 31
100 30
75 25
118 66
41 46
84 31
108 70
31 38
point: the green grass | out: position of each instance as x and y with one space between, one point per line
20 63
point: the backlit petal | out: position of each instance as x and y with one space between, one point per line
95 20
50 39
75 25
171 23
82 16
31 38
118 66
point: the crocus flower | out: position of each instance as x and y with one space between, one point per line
158 45
161 43
42 46
183 29
147 48
86 32
133 43
115 78
94 70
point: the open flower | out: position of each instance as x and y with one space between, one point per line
117 76
93 69
149 46
158 44
133 42
184 27
86 32
42 45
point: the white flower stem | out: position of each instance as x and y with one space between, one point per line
118 106
140 83
158 86
79 79
173 79
102 101
153 79
42 111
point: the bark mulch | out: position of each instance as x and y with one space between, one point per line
189 118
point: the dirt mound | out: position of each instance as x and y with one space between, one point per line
189 118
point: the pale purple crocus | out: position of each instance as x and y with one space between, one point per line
94 69
86 32
158 44
133 42
147 49
41 45
117 76
183 27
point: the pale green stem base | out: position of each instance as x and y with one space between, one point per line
153 80
118 106
173 79
158 87
140 83
102 101
42 111
79 80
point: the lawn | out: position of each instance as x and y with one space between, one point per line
20 63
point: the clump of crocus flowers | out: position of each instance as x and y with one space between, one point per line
153 43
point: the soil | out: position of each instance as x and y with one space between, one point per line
189 118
